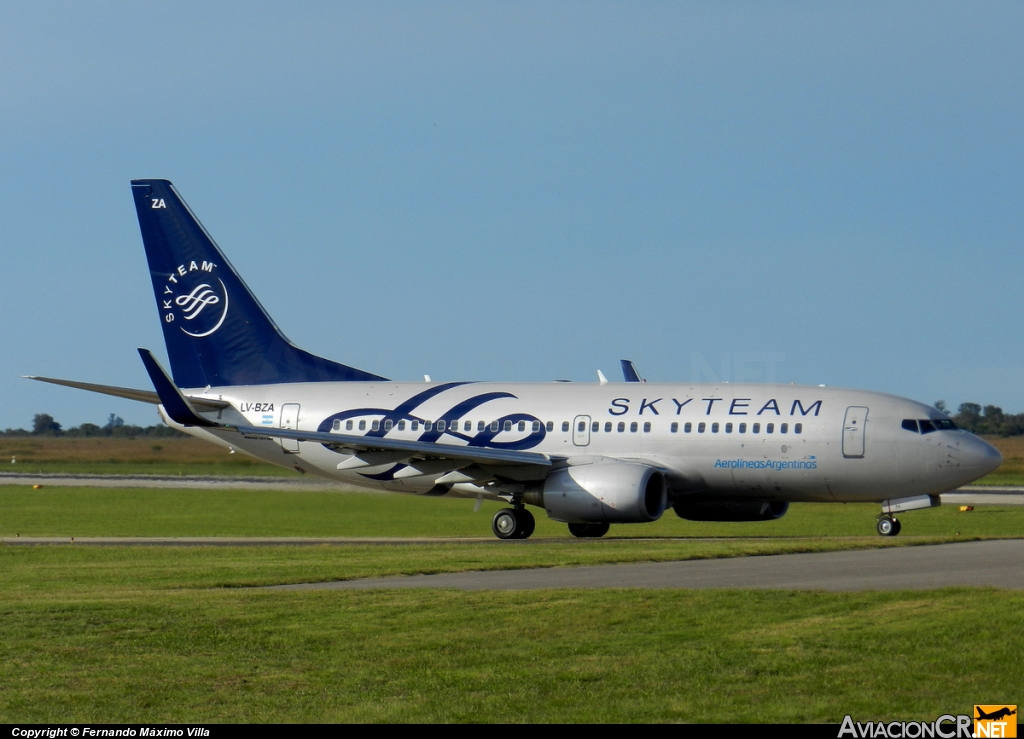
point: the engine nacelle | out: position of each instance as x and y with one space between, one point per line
613 492
746 510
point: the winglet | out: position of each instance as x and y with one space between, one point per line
629 372
172 399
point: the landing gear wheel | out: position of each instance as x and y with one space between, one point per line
504 523
527 523
888 526
513 523
588 530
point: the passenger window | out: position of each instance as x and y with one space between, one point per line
608 427
622 426
798 428
647 427
770 428
633 427
441 425
508 425
427 425
348 425
784 428
522 425
550 426
757 428
565 425
413 425
494 425
481 425
581 426
688 427
675 427
376 425
401 425
743 428
926 426
700 427
388 425
595 426
336 426
714 427
728 428
362 425
536 426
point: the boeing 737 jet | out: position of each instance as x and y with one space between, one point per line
587 454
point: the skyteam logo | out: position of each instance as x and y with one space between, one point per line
195 298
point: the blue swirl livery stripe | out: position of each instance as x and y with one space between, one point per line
451 417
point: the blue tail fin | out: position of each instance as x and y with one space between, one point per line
217 333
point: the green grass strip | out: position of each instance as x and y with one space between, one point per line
89 511
608 656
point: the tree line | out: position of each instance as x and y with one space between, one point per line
43 424
989 420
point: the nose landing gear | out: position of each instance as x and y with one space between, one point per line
888 526
513 523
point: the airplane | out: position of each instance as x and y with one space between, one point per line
995 715
587 454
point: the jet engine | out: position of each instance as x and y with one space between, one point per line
746 510
612 492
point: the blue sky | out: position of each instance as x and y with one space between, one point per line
811 192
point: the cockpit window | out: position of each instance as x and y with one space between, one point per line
926 426
910 425
944 424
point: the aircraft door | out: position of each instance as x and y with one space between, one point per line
290 420
581 430
853 431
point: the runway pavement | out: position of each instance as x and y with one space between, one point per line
983 563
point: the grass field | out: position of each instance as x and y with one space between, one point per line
60 511
144 634
140 456
192 456
172 634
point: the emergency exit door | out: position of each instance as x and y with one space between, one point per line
853 431
290 420
581 431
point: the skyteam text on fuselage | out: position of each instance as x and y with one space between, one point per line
588 454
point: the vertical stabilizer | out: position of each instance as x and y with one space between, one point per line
216 331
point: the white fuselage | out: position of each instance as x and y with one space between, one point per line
768 442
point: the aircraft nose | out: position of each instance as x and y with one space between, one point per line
979 456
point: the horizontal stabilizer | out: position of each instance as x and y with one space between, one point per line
143 396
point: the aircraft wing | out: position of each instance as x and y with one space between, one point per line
480 455
629 373
182 410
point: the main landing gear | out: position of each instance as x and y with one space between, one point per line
588 530
888 526
513 523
